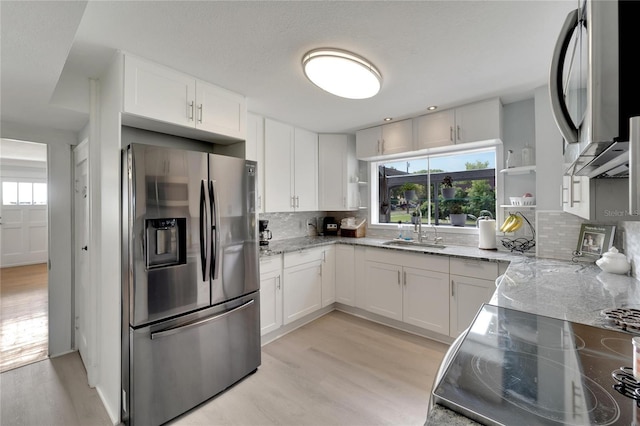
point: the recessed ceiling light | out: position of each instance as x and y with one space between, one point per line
432 108
342 73
388 119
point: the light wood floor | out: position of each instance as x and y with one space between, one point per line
24 315
337 370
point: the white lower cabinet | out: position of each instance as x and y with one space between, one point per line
413 288
328 275
345 274
270 294
302 283
472 284
424 299
384 291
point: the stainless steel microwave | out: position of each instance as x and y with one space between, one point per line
594 86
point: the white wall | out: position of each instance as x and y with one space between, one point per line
60 183
549 156
104 163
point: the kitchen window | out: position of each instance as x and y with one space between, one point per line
406 187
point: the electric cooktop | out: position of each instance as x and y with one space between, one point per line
516 368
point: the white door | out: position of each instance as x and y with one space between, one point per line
305 170
84 312
426 299
23 213
278 165
384 289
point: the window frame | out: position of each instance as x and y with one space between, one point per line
373 196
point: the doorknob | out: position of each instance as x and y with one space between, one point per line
84 248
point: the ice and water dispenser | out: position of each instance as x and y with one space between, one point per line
166 242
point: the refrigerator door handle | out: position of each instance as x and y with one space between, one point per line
215 235
175 330
205 256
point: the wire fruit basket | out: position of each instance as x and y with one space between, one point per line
522 201
521 244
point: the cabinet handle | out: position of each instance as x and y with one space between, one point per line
451 133
453 284
293 201
259 201
458 132
382 152
200 111
278 285
378 150
398 277
404 278
297 201
190 110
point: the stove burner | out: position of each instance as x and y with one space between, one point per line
516 380
626 384
628 319
618 346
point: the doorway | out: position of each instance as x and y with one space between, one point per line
24 300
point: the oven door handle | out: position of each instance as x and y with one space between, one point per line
174 330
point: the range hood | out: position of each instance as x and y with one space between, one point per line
596 161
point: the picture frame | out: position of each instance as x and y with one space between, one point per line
595 239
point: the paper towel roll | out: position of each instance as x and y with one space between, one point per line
487 234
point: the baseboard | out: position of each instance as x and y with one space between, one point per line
114 416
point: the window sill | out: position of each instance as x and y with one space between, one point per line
426 227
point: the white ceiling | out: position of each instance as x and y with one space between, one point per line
445 53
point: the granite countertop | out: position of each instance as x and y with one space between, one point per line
576 292
297 244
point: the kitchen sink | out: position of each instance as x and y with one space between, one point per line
412 243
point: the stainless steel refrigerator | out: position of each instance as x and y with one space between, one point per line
190 301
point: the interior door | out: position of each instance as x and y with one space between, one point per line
84 312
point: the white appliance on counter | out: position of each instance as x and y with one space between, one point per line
190 299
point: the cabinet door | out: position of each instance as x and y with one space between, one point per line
270 301
220 111
467 296
306 170
345 275
478 121
384 290
333 179
254 150
425 299
157 92
435 129
328 276
369 143
576 191
397 137
302 290
278 164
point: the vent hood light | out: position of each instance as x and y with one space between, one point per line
342 73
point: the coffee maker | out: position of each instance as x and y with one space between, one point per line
265 234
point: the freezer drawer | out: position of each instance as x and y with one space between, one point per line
178 364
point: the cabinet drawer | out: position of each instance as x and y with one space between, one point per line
270 263
304 256
474 268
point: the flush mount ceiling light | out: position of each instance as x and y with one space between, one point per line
342 73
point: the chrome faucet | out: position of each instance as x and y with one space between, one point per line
436 239
419 224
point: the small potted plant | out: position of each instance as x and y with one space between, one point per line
409 190
448 191
456 216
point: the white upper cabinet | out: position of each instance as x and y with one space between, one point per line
479 121
388 139
436 129
469 123
338 171
169 96
291 168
